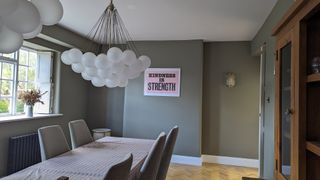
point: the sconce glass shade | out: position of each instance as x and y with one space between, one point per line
230 80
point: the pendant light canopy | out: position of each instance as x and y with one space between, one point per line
118 59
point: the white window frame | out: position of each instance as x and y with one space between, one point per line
15 62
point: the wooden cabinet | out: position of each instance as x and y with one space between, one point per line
297 109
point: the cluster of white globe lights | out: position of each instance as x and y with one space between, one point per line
23 19
112 69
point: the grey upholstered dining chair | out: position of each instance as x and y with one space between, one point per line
150 166
167 153
52 142
121 170
79 133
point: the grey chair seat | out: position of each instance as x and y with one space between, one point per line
167 153
150 166
52 142
79 133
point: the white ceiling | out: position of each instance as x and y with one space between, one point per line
210 20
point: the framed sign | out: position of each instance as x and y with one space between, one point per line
162 82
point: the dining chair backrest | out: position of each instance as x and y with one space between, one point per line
79 133
121 170
150 166
52 142
167 153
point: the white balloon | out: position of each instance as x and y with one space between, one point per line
114 54
7 7
136 67
128 57
117 67
85 76
124 74
102 62
146 61
75 55
51 11
91 71
24 19
77 67
111 84
65 58
88 59
9 41
123 83
33 33
104 73
97 82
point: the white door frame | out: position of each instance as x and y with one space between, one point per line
262 54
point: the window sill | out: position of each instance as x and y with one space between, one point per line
8 119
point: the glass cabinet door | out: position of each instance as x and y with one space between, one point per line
285 111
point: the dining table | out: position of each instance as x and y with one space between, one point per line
91 161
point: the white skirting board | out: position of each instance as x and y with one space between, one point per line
234 161
197 161
189 160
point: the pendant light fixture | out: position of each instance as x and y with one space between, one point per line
117 59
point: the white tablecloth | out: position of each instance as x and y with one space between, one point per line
91 161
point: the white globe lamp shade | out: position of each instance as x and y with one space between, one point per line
104 73
75 55
123 83
77 67
146 61
51 11
102 62
10 41
24 19
85 76
34 33
91 71
97 82
88 59
65 58
7 7
128 57
111 84
114 54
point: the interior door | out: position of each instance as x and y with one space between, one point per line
284 108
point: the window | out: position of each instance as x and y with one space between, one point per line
23 70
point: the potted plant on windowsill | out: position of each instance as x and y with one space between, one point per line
30 98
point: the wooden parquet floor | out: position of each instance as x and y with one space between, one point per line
209 172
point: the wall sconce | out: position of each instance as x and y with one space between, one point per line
230 80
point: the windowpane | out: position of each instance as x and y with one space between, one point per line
31 74
19 107
7 71
32 59
6 88
22 86
23 57
4 105
22 73
31 86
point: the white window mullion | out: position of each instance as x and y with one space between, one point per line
15 85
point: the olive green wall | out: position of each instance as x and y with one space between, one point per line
230 115
264 36
147 116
